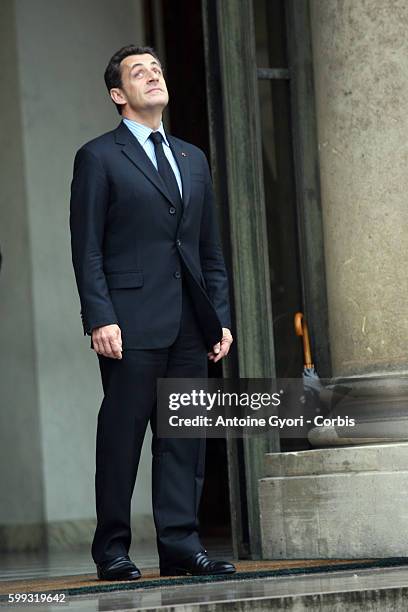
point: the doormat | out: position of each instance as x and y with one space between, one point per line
246 570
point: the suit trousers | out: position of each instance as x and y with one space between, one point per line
129 404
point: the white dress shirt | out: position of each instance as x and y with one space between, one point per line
142 133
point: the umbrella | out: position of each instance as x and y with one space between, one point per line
311 381
302 396
318 398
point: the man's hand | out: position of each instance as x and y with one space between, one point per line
221 349
107 341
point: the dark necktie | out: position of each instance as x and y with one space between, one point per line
166 171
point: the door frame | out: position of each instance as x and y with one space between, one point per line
236 161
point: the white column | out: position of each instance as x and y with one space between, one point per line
351 502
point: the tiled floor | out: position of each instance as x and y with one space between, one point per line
18 566
15 566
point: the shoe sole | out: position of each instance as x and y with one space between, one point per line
122 578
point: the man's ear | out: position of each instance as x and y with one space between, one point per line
117 95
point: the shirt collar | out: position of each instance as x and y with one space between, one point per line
142 132
162 132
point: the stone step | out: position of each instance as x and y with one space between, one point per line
336 503
338 459
376 590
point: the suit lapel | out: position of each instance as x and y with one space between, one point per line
137 155
183 163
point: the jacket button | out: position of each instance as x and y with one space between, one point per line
178 242
172 210
177 274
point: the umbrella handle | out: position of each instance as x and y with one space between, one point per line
301 329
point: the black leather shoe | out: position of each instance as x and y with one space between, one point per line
119 568
198 565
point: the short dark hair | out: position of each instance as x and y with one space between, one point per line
113 74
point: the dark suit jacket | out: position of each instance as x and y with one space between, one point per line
130 254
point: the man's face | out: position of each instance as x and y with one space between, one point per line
143 84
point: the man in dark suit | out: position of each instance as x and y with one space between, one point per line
154 298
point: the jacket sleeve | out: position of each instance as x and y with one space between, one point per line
88 210
211 257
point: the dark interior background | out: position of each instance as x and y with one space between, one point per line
185 76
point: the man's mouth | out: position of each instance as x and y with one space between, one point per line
154 89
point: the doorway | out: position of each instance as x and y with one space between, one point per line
175 30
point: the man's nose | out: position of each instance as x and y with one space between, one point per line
152 76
